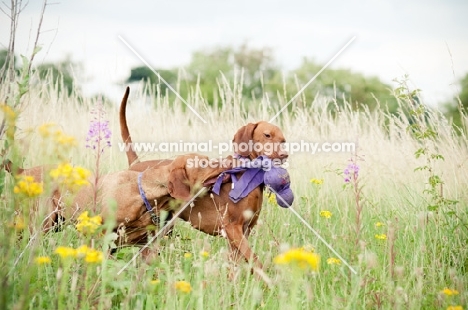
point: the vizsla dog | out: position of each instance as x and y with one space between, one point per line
124 191
218 214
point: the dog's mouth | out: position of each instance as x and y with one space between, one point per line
278 158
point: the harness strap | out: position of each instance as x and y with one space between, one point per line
154 217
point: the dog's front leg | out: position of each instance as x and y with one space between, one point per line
239 245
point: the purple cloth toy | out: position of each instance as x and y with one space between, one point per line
278 180
257 172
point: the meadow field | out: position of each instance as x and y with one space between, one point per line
395 210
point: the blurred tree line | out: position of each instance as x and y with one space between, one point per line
257 73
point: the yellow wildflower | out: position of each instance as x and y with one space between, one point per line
18 223
45 129
381 236
316 181
41 260
52 130
326 214
379 224
155 282
271 198
188 255
449 292
204 254
93 256
333 261
9 112
454 308
300 258
65 252
90 255
27 187
82 250
63 139
72 177
88 225
10 116
183 286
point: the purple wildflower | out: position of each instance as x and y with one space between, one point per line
351 172
99 135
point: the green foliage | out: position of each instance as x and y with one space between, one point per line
211 67
144 73
464 91
457 108
260 76
4 65
344 85
426 134
10 111
60 73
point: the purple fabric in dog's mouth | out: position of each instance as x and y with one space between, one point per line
277 178
257 172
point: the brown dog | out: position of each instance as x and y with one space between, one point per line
160 185
219 215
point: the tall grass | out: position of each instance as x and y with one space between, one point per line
423 252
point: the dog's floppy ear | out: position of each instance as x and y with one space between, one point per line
244 135
178 184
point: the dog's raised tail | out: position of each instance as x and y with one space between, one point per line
132 156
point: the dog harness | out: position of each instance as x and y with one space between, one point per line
154 217
257 172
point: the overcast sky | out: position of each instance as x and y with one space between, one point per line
426 39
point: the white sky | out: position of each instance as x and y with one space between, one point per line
420 37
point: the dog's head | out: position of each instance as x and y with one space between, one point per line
188 173
262 138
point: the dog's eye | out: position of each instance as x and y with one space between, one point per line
267 135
